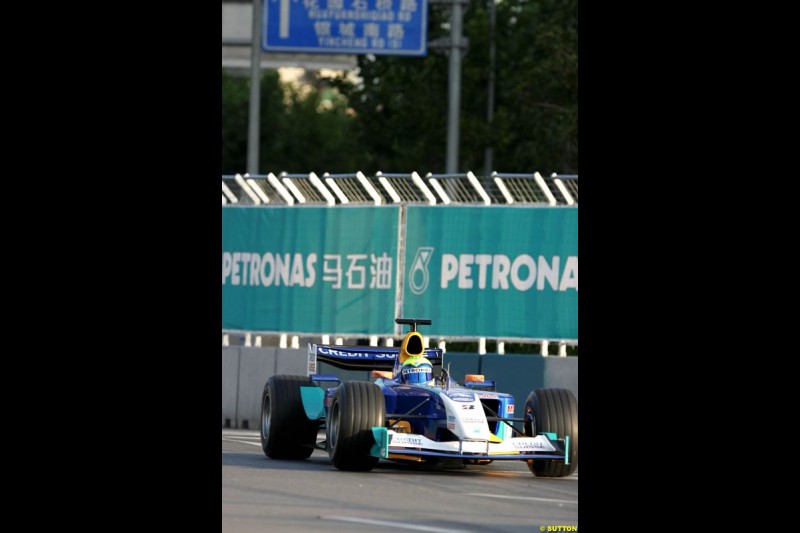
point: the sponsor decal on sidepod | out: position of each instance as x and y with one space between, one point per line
461 396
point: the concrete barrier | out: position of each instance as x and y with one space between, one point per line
230 386
245 371
292 361
461 364
256 365
561 372
516 374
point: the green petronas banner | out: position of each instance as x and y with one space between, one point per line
309 269
507 272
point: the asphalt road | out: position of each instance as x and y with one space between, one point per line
265 495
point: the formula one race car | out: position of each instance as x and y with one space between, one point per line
404 416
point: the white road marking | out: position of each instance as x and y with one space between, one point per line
521 498
228 433
392 524
243 441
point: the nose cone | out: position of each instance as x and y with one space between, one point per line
412 346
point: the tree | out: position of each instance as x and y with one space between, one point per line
300 131
235 94
317 135
401 108
537 89
401 104
235 113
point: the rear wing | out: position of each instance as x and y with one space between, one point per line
361 357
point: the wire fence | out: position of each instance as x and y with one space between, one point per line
397 188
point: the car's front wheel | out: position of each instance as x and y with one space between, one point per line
357 407
553 411
286 431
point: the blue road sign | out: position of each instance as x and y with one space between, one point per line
381 27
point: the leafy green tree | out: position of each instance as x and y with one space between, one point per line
537 85
299 132
235 112
317 135
401 106
235 95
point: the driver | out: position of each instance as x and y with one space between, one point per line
411 365
417 371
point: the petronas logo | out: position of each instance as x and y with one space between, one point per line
418 273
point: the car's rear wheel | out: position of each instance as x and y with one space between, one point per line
553 411
357 407
286 431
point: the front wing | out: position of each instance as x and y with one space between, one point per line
544 446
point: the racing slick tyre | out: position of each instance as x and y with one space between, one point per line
357 407
286 431
553 411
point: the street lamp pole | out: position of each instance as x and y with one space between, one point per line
253 139
488 154
454 87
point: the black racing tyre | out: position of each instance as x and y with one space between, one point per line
357 407
553 411
286 431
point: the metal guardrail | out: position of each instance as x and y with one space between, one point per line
353 188
389 188
567 185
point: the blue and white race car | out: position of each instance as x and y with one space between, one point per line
432 421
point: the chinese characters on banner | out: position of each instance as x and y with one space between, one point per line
380 271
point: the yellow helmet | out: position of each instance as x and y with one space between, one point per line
413 346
